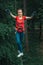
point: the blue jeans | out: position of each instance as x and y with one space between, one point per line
19 38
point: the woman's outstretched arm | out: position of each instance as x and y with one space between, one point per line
29 17
12 15
32 15
9 12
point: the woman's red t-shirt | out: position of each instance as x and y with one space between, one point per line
20 23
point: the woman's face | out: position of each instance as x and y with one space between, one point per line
20 13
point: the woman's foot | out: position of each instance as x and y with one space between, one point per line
20 54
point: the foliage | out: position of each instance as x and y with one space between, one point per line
8 47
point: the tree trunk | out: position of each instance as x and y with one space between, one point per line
26 34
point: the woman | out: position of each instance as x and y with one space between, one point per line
20 18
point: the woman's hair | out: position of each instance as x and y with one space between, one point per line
19 9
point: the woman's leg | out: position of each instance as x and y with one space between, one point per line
22 36
18 40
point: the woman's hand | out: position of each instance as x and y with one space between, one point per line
33 14
7 11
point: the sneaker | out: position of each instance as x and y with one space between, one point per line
20 54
